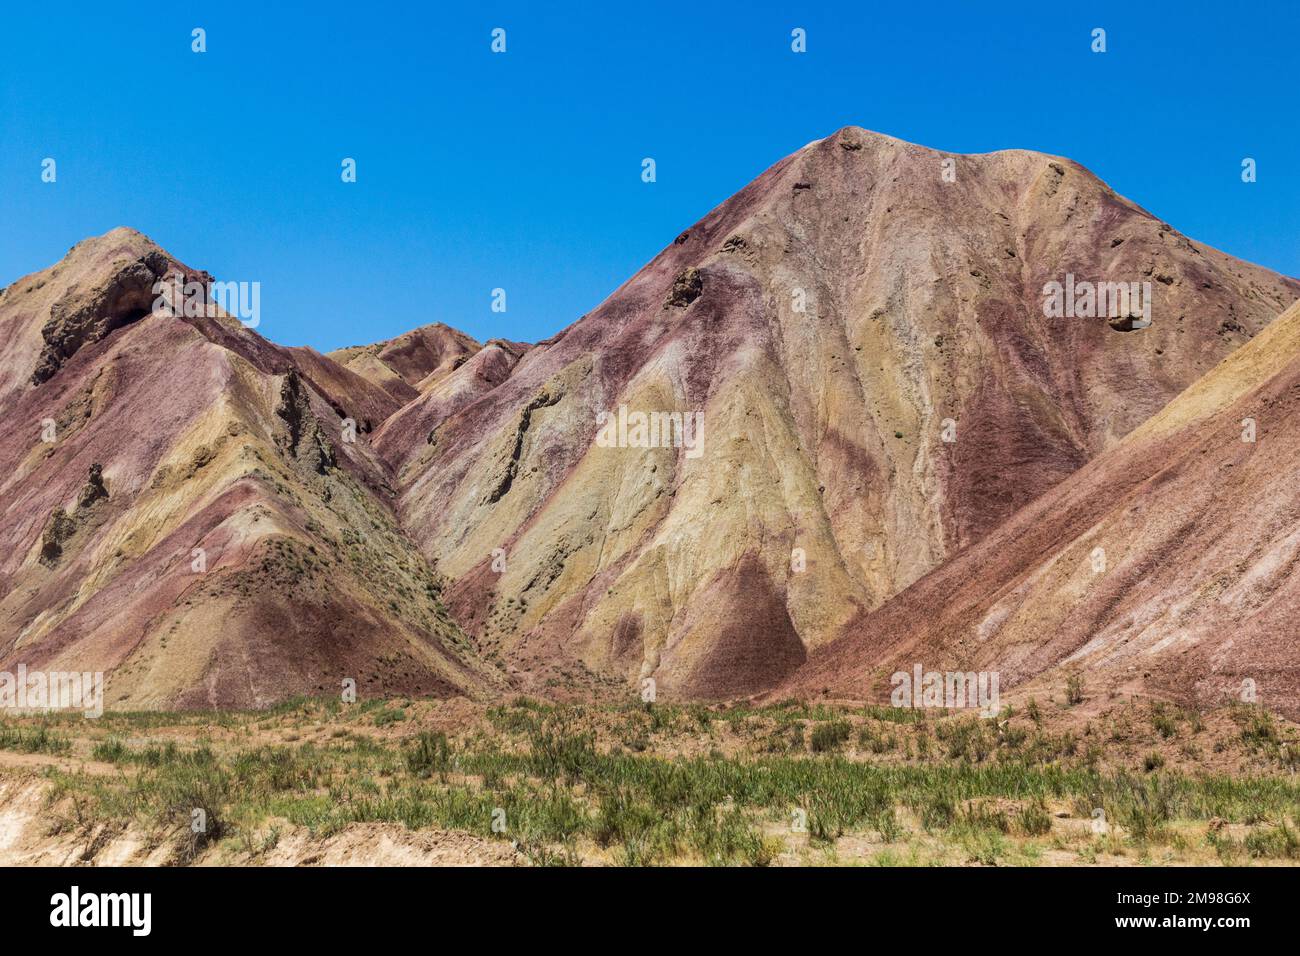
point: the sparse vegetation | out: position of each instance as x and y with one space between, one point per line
561 785
1074 689
38 739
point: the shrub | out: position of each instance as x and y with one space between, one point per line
827 737
431 753
1074 689
1278 842
111 750
1034 820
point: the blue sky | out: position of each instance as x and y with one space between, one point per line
522 170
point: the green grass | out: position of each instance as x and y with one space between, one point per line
30 740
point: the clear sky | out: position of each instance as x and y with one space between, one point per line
522 170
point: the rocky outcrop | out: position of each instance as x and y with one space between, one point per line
62 526
304 441
545 399
686 288
58 529
82 317
94 489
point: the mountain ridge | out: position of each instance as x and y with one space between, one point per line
829 322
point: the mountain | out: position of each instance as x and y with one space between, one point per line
407 365
854 376
830 322
1192 594
184 512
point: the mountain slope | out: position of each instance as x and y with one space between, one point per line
831 322
184 512
1194 589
